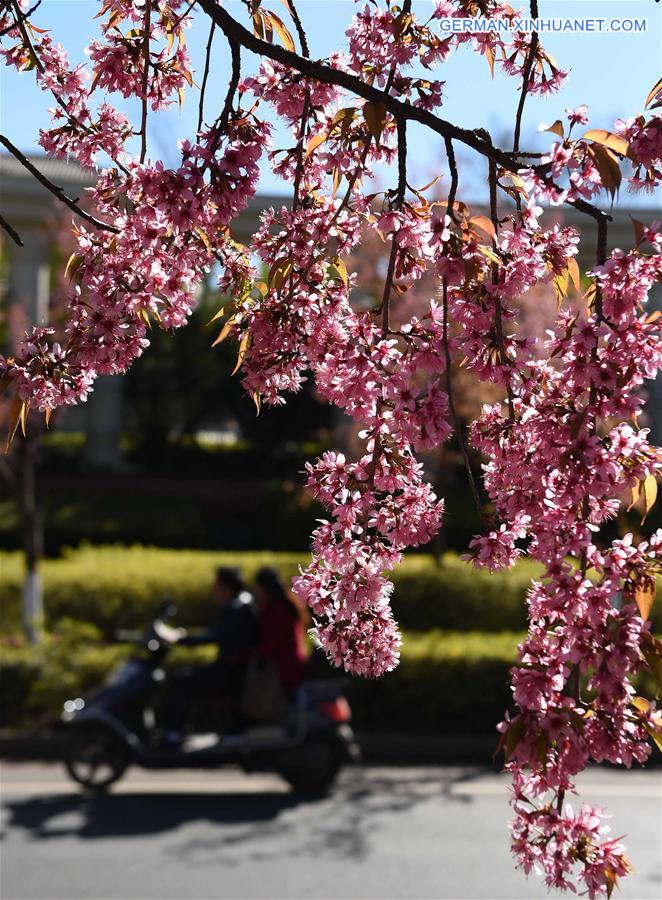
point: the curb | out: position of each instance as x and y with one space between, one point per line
378 748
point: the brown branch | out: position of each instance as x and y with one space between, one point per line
600 258
21 17
303 40
452 165
298 175
145 82
40 66
525 89
11 231
221 124
56 191
353 179
325 74
397 203
498 311
205 76
526 74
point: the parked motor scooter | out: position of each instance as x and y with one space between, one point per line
122 723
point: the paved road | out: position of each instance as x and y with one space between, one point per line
383 833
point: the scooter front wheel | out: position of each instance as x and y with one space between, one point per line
95 757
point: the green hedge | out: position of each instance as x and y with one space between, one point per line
73 659
445 682
119 587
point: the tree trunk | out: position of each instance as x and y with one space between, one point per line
33 606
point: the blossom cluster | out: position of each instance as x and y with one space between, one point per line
563 446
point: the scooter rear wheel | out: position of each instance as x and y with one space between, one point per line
312 768
95 757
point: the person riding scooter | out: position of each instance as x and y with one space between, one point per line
121 722
236 634
283 622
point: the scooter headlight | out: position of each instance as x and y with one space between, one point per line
71 707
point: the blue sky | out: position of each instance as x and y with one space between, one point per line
611 72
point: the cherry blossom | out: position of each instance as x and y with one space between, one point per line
563 449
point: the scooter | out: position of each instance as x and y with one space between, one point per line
122 723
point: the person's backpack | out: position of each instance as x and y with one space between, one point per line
263 698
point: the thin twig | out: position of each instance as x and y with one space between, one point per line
145 82
56 191
452 165
325 74
221 124
11 231
525 89
353 179
451 401
526 74
203 86
600 258
397 203
23 17
498 311
298 174
303 40
40 67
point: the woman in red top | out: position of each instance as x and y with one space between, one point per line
282 625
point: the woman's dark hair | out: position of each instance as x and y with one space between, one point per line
271 582
230 577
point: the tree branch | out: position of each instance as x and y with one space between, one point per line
11 231
205 76
498 312
452 165
145 82
526 74
23 17
56 191
306 107
222 122
397 204
325 74
303 40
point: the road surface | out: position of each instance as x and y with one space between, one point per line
383 833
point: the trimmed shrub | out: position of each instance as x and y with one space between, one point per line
70 661
445 682
120 587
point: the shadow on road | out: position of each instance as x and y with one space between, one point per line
336 825
117 815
